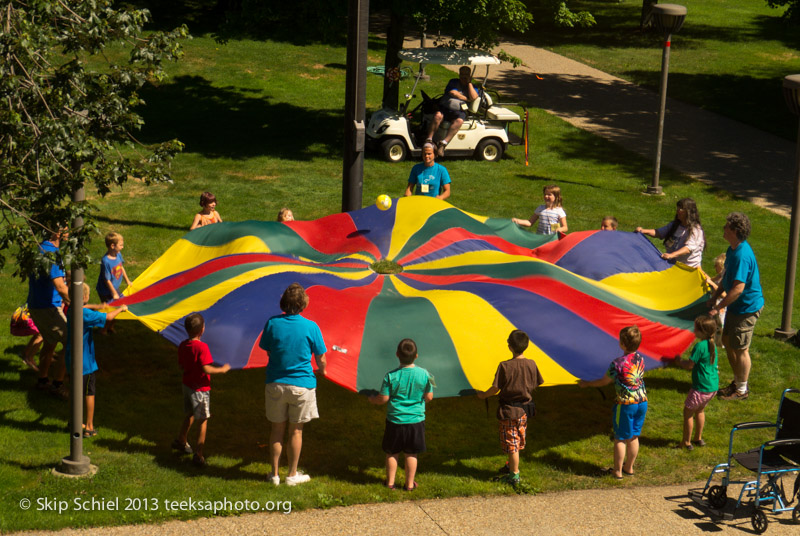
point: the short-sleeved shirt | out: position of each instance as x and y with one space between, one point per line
628 375
110 270
515 378
741 265
705 375
406 387
42 293
428 180
694 240
91 319
547 218
290 341
193 355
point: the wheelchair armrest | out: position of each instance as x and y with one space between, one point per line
754 424
782 442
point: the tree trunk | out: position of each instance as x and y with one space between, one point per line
647 8
394 43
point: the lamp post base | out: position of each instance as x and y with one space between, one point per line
654 190
785 334
69 467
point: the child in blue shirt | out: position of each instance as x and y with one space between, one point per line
91 319
112 272
406 389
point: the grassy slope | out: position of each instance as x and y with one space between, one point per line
261 123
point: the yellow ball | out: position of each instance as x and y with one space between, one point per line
384 202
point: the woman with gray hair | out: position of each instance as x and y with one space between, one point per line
744 300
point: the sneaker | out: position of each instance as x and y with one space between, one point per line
184 448
440 149
276 480
43 386
736 395
727 391
504 470
61 392
510 478
198 460
299 478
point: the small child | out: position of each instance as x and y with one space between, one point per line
609 223
112 272
22 325
285 214
91 319
705 380
194 357
713 282
406 389
207 214
630 407
514 380
551 216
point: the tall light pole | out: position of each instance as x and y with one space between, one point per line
791 92
668 18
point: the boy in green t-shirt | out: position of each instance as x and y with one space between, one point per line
406 389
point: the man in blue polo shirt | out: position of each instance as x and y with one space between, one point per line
744 300
429 178
46 295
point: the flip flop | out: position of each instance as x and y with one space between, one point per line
610 472
89 433
626 473
699 443
412 488
393 486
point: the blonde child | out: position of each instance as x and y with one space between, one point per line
406 389
285 214
609 223
112 272
550 216
713 282
207 214
705 381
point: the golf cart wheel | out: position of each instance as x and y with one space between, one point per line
394 150
759 521
796 514
489 150
717 496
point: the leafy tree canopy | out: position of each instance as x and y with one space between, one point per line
68 116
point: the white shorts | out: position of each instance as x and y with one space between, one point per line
290 403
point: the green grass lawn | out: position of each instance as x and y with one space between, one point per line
262 122
730 56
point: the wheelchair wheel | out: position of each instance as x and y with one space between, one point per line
759 521
796 514
717 496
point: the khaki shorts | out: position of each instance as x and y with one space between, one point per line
739 329
290 403
51 323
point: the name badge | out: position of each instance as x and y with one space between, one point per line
424 188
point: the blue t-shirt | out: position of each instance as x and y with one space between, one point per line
741 265
91 319
290 341
110 270
406 387
42 293
429 180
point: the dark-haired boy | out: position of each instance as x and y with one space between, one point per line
406 389
194 357
630 408
514 381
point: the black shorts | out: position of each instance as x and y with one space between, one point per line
89 384
407 438
452 115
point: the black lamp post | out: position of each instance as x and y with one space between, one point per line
668 18
791 91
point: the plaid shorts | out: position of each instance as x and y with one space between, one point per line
512 434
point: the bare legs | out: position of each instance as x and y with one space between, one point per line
391 468
739 359
295 445
513 462
625 452
689 419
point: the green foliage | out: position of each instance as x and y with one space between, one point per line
792 13
309 20
565 18
68 116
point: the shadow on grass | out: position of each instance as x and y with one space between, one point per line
229 123
140 223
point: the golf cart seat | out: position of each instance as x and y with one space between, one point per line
498 113
771 462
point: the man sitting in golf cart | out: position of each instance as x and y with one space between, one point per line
459 92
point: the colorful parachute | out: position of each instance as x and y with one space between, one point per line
467 281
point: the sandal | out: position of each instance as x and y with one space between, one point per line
412 488
393 486
610 471
89 433
699 443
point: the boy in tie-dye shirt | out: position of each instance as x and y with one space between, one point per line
630 407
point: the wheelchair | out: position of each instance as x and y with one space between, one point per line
771 462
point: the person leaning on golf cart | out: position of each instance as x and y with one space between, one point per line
429 178
458 91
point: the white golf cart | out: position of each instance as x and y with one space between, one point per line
485 133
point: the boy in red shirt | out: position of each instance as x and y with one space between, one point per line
194 357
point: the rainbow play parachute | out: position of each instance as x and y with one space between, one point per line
466 282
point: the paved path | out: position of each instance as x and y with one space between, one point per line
621 511
730 155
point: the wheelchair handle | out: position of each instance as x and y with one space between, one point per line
754 424
780 442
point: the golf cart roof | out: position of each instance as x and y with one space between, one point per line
448 56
